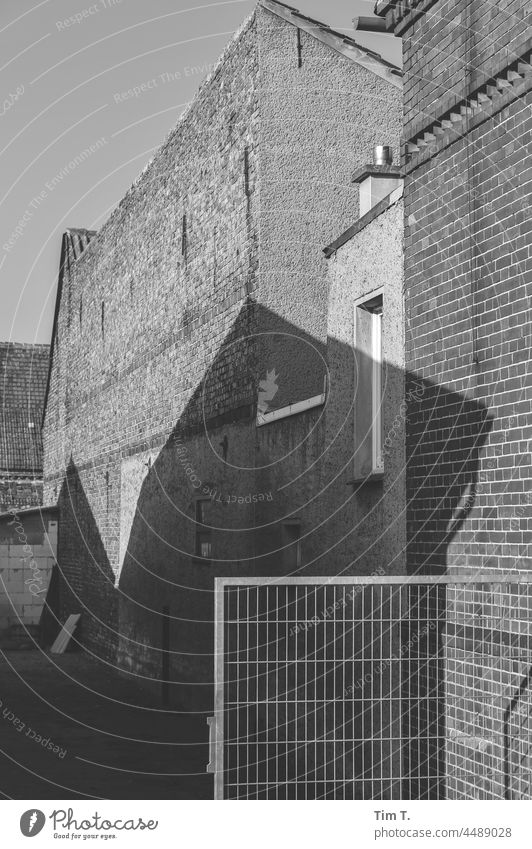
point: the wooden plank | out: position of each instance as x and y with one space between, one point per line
65 634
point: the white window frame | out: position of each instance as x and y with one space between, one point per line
376 392
365 302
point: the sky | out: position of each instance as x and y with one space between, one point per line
62 85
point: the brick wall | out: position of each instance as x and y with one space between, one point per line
451 44
468 265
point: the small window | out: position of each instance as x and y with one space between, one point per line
203 544
368 388
292 544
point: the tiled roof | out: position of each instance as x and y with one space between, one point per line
23 373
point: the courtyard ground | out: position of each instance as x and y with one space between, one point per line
73 728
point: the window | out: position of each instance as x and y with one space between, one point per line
203 544
368 387
292 544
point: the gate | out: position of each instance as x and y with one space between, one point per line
373 688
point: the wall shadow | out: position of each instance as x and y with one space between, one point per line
84 580
517 757
153 610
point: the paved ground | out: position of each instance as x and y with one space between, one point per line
73 728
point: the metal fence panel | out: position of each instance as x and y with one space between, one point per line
363 688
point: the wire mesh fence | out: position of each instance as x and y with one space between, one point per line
358 688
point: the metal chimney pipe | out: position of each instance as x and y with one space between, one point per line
382 155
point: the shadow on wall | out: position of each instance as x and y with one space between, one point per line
153 614
84 580
517 749
216 455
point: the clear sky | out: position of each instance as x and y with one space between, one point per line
60 94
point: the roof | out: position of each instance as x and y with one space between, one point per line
23 374
340 42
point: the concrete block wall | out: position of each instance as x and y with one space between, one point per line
28 545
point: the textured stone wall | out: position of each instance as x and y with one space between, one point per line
319 123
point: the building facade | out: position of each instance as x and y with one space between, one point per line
28 535
28 546
23 371
468 284
194 378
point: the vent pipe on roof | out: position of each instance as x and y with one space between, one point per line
382 155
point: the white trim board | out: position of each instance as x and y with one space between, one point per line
291 410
